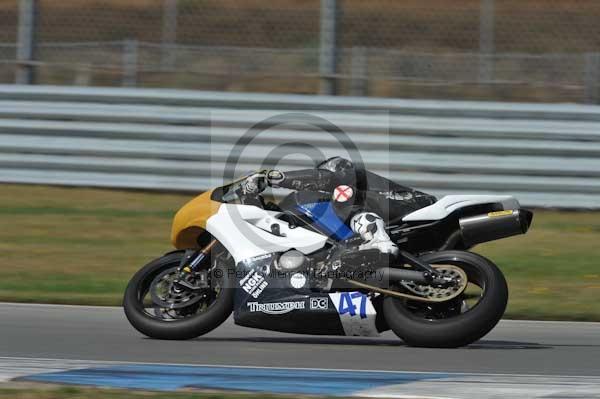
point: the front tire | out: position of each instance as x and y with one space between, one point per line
461 328
177 328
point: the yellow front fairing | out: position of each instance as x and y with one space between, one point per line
190 221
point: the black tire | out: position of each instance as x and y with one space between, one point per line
458 330
179 329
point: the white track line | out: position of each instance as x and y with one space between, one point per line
117 362
449 386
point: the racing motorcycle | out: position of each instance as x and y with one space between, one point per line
294 266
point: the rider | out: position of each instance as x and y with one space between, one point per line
361 197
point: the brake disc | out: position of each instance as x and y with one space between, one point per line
439 294
166 294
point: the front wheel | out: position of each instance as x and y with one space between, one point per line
459 321
158 309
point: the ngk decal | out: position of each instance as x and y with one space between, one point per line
253 283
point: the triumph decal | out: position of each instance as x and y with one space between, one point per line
276 307
254 284
357 313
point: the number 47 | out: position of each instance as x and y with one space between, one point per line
348 301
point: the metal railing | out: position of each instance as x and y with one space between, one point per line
546 155
483 49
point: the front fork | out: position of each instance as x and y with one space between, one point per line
190 264
193 258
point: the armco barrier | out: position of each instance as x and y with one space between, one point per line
547 155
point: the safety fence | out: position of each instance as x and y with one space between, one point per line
509 50
546 155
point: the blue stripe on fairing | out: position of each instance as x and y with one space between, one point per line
323 214
276 380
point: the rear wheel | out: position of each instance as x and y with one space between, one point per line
158 308
459 321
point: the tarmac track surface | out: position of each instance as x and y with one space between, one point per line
103 334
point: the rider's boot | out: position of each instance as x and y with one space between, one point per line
372 230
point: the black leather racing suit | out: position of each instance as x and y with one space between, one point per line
366 201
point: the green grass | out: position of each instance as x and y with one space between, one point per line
554 270
80 246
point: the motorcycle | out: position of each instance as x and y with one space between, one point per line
294 266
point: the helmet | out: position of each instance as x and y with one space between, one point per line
342 168
337 165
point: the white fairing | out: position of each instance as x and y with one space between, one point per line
451 203
245 231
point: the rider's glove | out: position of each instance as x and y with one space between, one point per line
274 177
255 184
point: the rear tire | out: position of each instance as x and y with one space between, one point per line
458 330
176 329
